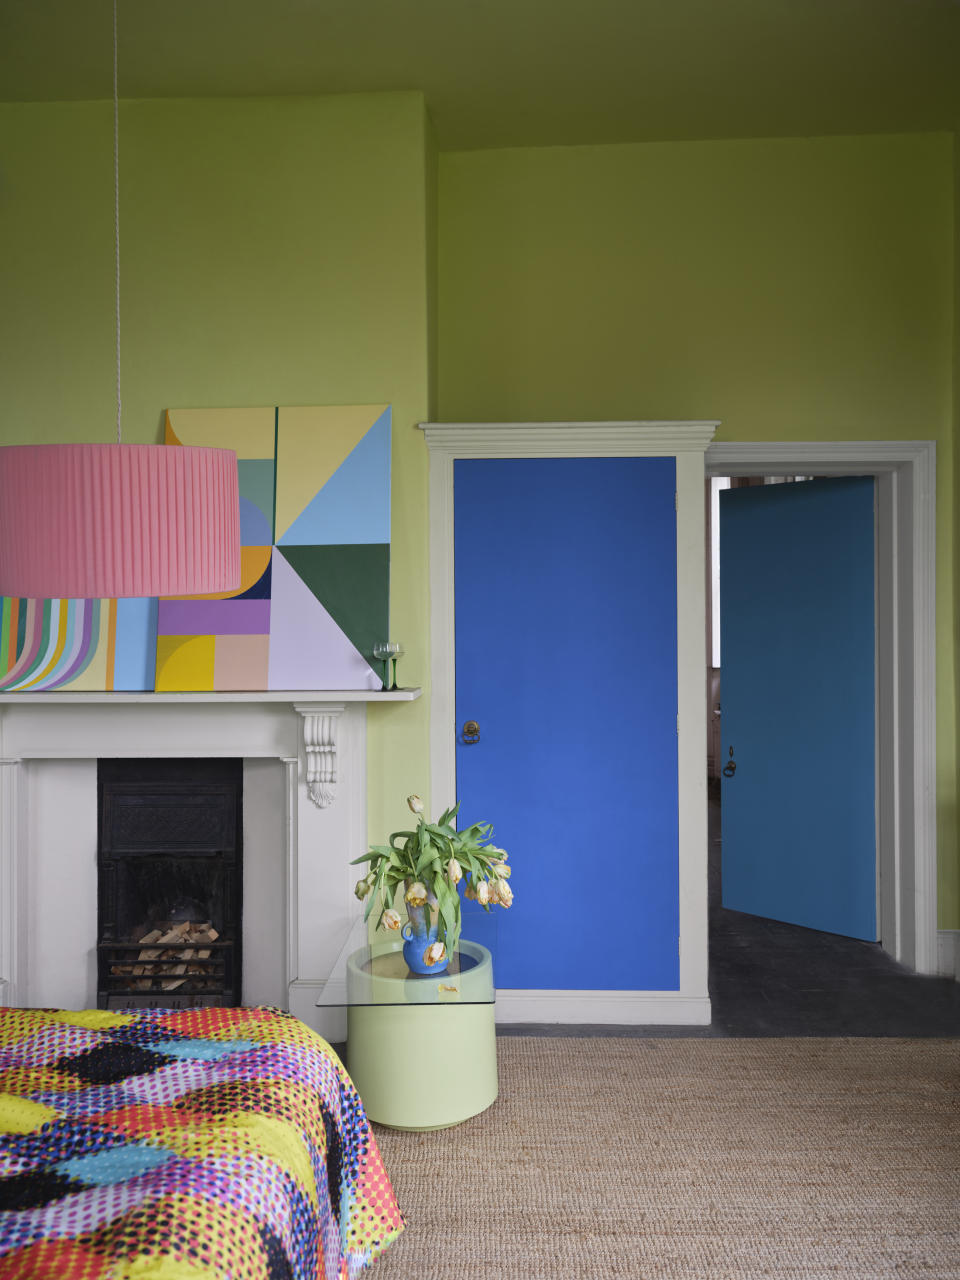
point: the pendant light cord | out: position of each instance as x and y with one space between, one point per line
116 210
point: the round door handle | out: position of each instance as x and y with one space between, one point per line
470 733
730 768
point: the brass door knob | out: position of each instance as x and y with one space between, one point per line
470 733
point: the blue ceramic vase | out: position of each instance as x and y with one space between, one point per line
418 933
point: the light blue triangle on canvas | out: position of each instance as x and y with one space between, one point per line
354 505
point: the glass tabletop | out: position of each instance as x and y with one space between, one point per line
375 973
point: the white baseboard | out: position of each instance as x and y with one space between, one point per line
329 1022
602 1008
948 953
613 1008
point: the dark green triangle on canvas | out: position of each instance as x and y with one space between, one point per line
353 585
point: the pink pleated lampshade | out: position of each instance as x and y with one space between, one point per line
104 520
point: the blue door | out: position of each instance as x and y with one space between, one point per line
798 703
566 657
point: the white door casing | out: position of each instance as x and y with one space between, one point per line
686 443
906 474
906 663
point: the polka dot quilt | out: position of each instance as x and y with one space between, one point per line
193 1144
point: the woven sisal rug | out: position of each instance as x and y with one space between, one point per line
700 1159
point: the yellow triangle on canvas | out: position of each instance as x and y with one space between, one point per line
248 431
311 444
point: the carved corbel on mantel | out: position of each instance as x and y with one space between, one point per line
320 749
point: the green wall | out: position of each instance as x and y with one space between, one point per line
956 510
282 250
272 251
795 289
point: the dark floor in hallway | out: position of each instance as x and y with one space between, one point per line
773 979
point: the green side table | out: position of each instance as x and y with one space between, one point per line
422 1051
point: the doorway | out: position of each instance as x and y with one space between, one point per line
906 821
794 666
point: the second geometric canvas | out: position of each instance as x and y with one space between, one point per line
315 534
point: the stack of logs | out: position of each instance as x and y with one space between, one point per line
177 943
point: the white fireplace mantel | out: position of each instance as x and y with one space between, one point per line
319 712
49 745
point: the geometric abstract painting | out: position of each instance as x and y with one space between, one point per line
315 561
315 574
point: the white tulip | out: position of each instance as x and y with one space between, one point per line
502 870
504 894
361 889
483 893
470 892
454 871
498 854
415 803
391 919
434 953
416 895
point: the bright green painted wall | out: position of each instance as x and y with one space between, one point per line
795 289
280 250
956 483
273 251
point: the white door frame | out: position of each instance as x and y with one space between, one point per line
686 442
906 663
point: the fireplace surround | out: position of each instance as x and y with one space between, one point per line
303 757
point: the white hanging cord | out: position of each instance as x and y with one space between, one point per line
116 209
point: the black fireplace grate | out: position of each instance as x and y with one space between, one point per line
169 863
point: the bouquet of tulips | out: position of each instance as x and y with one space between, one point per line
429 864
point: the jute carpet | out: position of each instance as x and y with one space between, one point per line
691 1160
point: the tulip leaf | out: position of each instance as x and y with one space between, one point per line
425 857
476 868
449 913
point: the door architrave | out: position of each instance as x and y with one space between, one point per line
686 442
906 663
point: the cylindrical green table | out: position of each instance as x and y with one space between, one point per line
422 1051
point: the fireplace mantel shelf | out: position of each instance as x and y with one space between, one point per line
285 695
319 711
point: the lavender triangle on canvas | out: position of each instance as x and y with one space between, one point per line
307 648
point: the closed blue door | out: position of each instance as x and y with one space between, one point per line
798 703
566 657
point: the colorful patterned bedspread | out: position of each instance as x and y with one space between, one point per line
197 1144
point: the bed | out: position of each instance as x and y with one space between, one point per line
193 1144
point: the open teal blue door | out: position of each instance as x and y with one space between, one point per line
566 660
798 703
